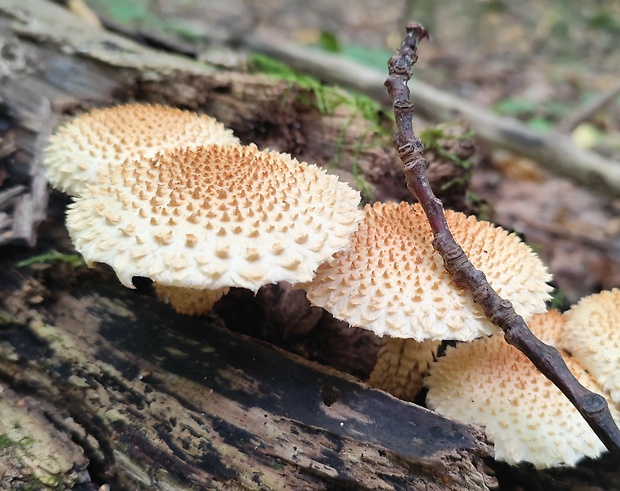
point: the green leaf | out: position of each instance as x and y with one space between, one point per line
329 42
73 259
541 125
515 107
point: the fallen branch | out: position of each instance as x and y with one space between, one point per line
553 151
592 407
588 110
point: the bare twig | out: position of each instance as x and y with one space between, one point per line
592 407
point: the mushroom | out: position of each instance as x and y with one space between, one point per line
392 282
491 383
92 141
401 365
592 335
213 217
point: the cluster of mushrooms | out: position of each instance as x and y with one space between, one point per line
172 195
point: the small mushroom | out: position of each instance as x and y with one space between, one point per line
214 217
392 282
94 140
401 365
592 335
491 383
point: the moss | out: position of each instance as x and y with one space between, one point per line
7 442
559 301
326 98
359 180
30 482
73 259
484 211
433 137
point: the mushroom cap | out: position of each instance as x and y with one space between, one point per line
94 140
392 281
491 383
215 216
592 335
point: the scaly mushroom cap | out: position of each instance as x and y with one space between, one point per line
592 335
402 363
393 282
491 383
212 217
94 140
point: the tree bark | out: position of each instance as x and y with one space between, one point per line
105 385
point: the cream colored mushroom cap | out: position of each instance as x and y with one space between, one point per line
94 140
391 281
491 383
212 217
592 335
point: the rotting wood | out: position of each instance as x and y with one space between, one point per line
554 151
167 402
33 453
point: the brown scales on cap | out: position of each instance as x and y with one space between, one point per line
392 282
592 335
491 383
214 217
94 140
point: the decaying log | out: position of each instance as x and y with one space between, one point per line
156 400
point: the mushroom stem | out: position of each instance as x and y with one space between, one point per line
591 406
401 366
189 301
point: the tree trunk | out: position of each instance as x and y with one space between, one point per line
103 385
